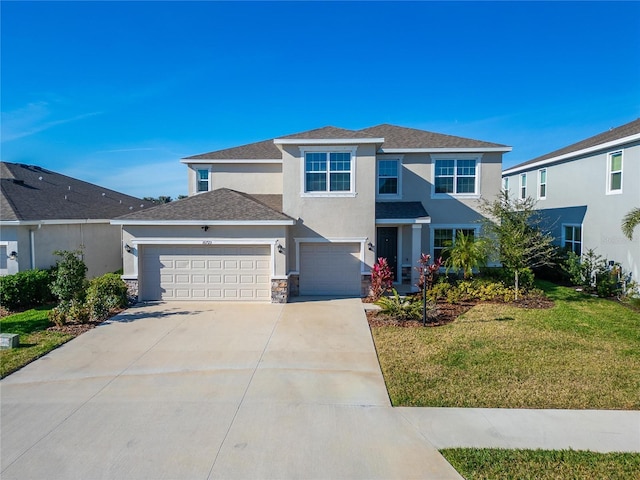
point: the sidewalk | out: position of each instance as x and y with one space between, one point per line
595 430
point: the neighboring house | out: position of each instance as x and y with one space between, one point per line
308 214
585 190
42 211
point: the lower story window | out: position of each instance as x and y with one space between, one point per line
573 238
446 237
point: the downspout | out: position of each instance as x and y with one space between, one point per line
32 246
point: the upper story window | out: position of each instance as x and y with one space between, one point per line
523 186
542 184
389 177
202 180
614 171
326 172
505 184
456 176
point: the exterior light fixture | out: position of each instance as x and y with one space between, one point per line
205 228
280 249
13 255
127 248
370 246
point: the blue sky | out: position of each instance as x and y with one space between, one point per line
115 93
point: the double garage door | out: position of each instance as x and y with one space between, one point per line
210 272
330 269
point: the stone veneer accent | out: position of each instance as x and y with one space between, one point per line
132 291
365 285
279 290
294 285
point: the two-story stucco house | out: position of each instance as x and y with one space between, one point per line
308 214
584 191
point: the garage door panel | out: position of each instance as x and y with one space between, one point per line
330 269
206 273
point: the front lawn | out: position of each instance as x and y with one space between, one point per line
584 353
495 464
35 339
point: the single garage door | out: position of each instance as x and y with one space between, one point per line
208 272
330 269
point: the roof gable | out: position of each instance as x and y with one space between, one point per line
395 137
222 205
611 135
32 193
402 137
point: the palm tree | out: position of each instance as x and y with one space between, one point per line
465 254
630 221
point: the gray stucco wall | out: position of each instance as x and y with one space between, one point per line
252 178
580 185
329 216
100 243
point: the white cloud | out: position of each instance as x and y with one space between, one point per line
33 118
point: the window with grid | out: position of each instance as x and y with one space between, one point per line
523 186
202 180
573 238
445 237
615 172
505 184
455 176
327 172
388 177
542 190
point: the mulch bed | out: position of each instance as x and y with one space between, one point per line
449 312
75 329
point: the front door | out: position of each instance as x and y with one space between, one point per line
387 247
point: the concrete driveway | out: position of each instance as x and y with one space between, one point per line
213 390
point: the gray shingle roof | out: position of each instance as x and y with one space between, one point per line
217 205
394 210
626 130
403 137
394 137
31 193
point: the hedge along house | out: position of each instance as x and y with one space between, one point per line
309 213
584 190
42 211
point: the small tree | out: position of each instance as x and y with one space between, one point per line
427 270
465 254
69 286
519 241
381 278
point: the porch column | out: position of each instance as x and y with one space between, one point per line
416 250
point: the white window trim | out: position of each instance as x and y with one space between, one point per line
360 240
546 173
609 172
505 184
522 185
209 180
452 156
390 196
563 237
329 149
448 226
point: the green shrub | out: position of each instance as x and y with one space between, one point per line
506 276
105 294
69 281
439 291
69 311
404 308
25 289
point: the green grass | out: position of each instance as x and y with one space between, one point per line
495 464
584 353
35 340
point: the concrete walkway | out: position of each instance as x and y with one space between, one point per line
204 391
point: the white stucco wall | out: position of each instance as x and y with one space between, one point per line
251 178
